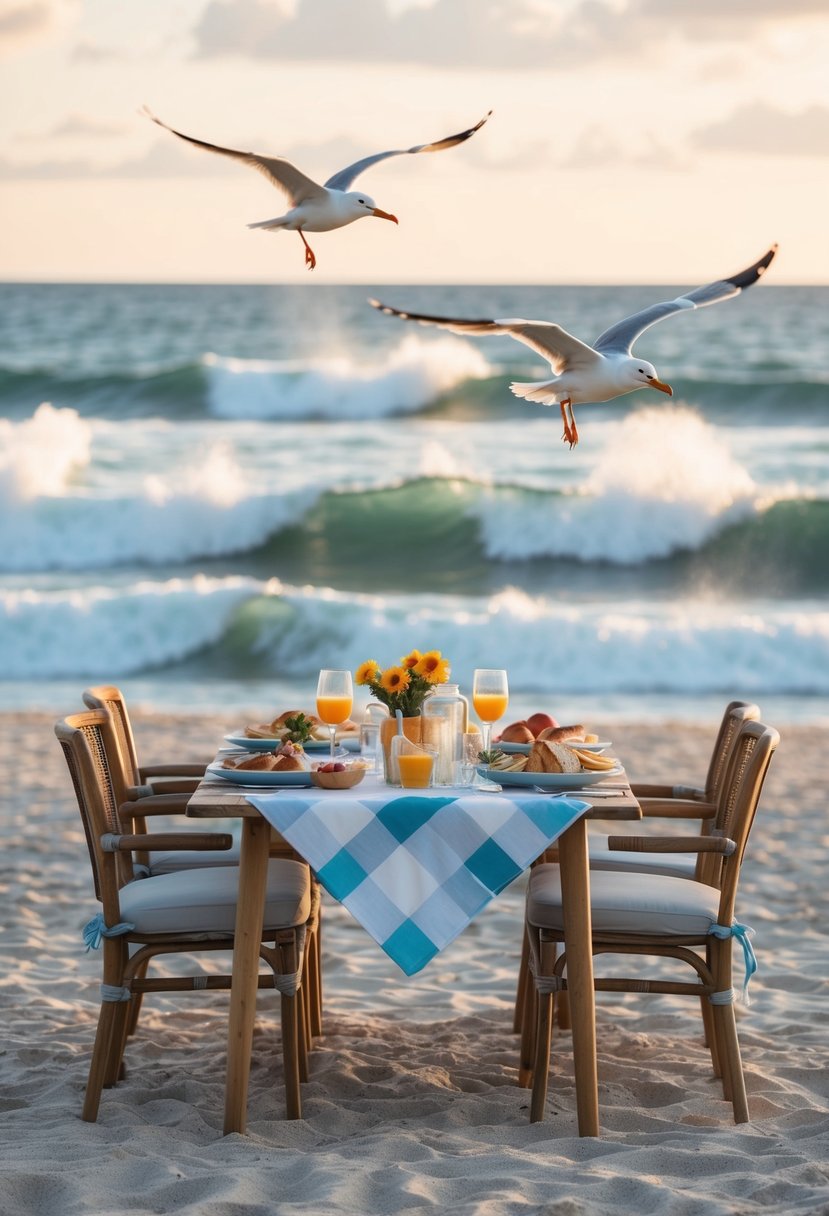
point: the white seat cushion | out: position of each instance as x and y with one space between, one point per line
675 865
169 863
204 900
628 903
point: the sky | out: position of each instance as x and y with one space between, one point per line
631 141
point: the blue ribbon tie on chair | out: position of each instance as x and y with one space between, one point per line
96 928
743 934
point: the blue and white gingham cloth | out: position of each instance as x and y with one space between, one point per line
415 868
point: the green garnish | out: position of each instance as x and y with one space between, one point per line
492 757
299 728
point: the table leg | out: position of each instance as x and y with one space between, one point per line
575 900
250 911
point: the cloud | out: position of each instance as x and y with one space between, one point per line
761 129
505 34
24 22
595 149
77 126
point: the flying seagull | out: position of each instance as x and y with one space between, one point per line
600 372
317 208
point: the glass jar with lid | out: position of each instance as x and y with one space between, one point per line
448 711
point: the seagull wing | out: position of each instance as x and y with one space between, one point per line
344 178
619 339
560 349
280 172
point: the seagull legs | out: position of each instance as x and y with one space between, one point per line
310 260
571 431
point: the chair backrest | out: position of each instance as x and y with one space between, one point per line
751 755
736 712
110 698
83 738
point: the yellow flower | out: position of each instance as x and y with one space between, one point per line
411 660
367 672
433 668
395 679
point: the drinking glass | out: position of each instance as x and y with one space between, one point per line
335 697
370 735
490 697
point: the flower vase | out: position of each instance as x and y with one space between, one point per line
417 729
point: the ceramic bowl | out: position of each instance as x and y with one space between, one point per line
345 780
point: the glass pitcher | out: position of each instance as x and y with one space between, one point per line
448 712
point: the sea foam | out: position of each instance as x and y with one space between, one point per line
403 381
666 481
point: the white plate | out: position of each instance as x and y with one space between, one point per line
550 781
270 745
250 776
523 749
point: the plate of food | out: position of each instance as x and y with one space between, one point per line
549 781
266 777
286 766
296 726
271 743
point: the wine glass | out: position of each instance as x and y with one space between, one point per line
490 697
335 697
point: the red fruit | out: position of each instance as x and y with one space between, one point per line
539 722
337 768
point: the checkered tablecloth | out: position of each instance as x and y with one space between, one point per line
415 868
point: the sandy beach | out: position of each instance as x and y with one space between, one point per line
413 1103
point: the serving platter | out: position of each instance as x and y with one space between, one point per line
550 781
248 776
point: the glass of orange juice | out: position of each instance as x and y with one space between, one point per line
490 698
415 762
335 697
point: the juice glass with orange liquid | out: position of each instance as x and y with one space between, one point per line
335 698
490 698
415 763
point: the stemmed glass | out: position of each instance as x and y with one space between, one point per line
490 697
335 697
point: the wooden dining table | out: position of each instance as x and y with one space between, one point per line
218 799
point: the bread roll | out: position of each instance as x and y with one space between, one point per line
547 756
563 734
260 761
517 732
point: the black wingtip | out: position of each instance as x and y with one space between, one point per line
746 278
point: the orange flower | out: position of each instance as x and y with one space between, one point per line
367 672
411 660
395 679
433 668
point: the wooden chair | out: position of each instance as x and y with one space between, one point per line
691 921
657 802
164 789
183 913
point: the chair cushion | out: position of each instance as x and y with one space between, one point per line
628 903
675 865
170 863
204 900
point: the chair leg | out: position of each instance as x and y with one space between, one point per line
523 985
543 1039
100 1056
733 1064
529 1022
135 1004
290 1057
710 1035
113 1072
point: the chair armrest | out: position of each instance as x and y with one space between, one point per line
172 770
207 842
672 844
173 785
676 808
155 804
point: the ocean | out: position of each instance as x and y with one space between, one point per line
210 492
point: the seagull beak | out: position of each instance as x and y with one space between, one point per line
384 215
663 388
